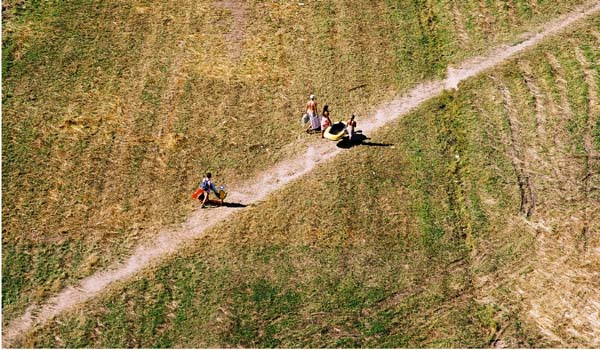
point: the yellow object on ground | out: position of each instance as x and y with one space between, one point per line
221 194
335 131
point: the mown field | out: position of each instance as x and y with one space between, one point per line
474 227
112 110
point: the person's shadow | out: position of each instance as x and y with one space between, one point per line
234 205
359 139
213 203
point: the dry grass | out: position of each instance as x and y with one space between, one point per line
400 246
556 282
106 127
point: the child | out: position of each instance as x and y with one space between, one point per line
350 126
325 120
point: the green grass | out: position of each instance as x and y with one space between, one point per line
97 157
318 282
391 258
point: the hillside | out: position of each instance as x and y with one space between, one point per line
113 110
473 227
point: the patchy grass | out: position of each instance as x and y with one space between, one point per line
385 266
419 244
112 110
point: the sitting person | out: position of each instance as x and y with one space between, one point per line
325 120
350 126
207 185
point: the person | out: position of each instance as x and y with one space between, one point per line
311 112
325 120
350 126
207 185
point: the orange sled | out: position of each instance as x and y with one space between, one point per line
197 194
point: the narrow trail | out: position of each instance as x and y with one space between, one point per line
175 81
257 189
235 37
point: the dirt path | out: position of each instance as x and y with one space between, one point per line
501 54
235 37
176 79
259 188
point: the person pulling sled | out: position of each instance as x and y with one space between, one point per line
203 191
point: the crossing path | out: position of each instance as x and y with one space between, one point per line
260 187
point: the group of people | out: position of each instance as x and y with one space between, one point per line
316 124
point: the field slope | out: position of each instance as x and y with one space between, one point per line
112 110
468 223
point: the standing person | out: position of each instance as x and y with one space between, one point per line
207 185
350 126
325 120
311 111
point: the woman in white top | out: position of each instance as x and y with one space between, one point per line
325 120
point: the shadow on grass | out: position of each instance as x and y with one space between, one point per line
360 139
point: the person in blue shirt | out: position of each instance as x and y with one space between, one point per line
207 185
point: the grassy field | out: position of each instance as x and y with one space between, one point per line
113 110
473 228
